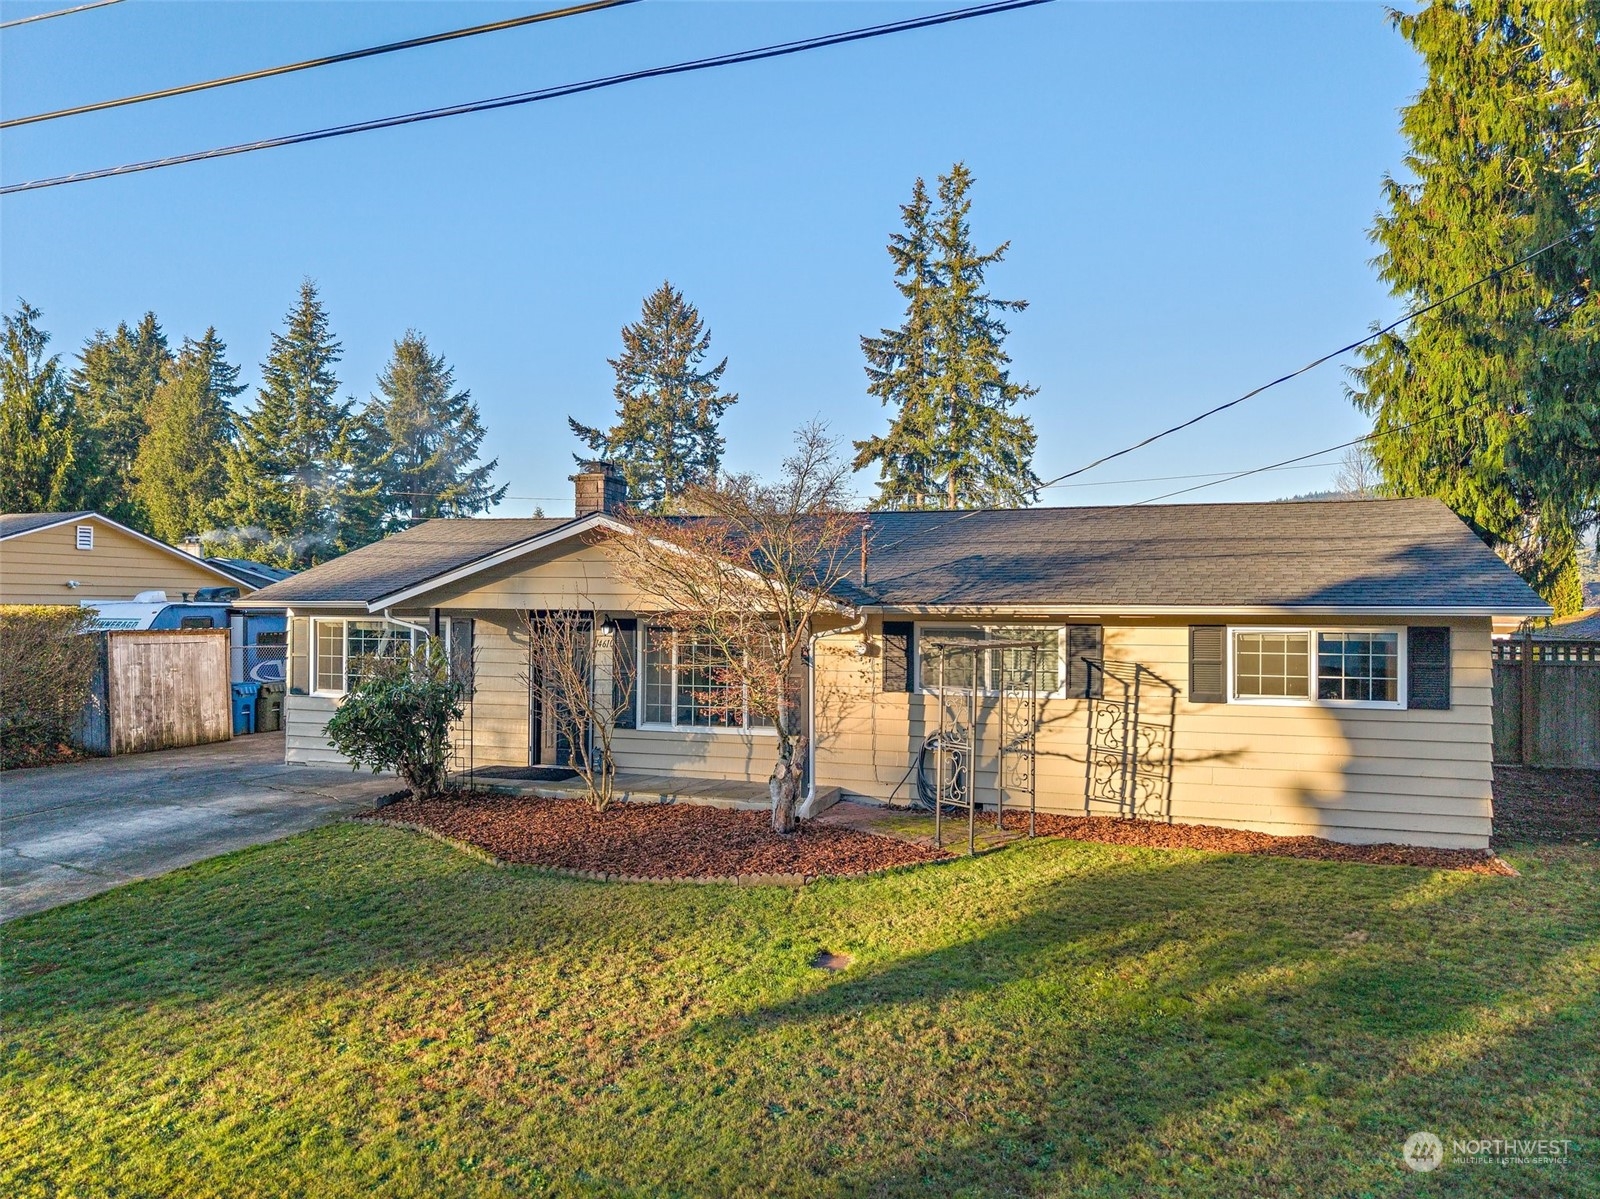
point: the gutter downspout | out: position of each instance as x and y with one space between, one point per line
806 808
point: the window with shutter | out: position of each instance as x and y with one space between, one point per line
897 654
1428 668
1207 668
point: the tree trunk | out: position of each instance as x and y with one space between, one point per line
784 786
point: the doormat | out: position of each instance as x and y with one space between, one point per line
527 774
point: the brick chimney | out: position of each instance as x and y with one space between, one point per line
599 487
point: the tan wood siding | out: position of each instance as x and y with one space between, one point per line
35 567
1350 774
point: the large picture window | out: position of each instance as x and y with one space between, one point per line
1359 667
342 648
686 685
951 665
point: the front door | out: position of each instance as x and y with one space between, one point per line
548 742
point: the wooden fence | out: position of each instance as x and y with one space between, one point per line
1547 702
158 690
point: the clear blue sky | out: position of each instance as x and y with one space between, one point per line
1187 191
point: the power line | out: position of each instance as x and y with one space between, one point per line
1373 436
60 12
1411 315
1210 474
430 114
1316 362
431 39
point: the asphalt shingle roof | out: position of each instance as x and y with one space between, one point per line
14 523
1324 554
403 559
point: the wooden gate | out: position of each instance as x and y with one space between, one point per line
158 690
1547 702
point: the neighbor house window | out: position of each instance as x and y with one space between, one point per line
344 647
686 685
944 659
1337 666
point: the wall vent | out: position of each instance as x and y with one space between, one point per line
86 537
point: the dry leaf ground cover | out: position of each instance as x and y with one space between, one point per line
363 1011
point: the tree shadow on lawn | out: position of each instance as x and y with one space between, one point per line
1158 1019
335 906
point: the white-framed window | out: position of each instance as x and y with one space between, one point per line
684 685
953 668
340 647
1359 668
85 537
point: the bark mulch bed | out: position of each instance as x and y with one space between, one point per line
654 841
1546 806
1156 835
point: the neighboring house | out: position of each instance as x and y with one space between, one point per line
1583 627
70 557
1299 668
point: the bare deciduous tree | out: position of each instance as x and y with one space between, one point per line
571 682
1359 476
743 580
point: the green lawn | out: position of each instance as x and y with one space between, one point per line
362 1011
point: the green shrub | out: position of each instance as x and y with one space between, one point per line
398 717
46 668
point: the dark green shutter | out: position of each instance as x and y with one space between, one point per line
624 674
1428 668
463 659
1208 672
1084 641
899 637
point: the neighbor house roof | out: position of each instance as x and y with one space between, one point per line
1583 627
1355 556
18 524
257 574
14 524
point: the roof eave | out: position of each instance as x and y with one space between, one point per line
1474 610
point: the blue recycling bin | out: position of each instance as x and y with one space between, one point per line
244 708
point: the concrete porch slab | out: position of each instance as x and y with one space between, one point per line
634 787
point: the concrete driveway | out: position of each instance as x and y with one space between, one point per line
71 831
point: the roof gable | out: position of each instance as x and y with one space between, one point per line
20 524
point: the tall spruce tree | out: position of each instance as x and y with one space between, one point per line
954 440
1490 402
665 439
422 437
289 473
38 434
114 386
182 468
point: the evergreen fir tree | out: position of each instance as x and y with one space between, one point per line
288 474
182 464
38 435
665 438
113 388
954 440
1490 402
422 437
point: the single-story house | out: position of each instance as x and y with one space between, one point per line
71 557
1297 668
